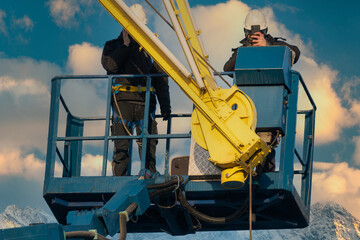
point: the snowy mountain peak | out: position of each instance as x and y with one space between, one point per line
332 217
16 217
331 209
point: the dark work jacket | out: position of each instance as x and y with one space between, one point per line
120 59
230 64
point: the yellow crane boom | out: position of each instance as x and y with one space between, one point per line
224 120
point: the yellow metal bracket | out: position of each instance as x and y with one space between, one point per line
124 213
96 237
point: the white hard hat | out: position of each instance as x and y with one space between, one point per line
255 17
139 12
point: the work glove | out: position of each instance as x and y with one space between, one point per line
166 114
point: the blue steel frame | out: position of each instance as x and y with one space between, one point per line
83 203
51 231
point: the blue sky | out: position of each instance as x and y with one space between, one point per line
41 39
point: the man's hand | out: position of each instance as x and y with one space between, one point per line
126 38
166 115
258 39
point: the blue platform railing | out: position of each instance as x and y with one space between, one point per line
308 145
64 192
57 98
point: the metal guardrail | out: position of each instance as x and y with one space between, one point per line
58 98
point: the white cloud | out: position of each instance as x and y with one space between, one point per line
92 165
331 116
221 28
85 59
339 183
27 86
14 163
24 102
7 83
24 67
66 13
25 23
3 28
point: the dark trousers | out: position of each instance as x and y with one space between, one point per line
133 114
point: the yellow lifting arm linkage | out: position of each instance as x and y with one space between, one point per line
224 120
194 42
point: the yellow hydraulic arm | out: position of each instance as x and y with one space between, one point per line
224 120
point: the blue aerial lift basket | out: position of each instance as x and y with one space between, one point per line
80 203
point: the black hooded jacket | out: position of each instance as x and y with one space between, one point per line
118 58
230 64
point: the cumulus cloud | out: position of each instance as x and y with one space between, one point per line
7 83
24 102
339 183
66 12
221 28
24 67
25 22
14 163
27 86
92 165
331 116
85 59
3 28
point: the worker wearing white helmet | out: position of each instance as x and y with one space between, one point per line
255 20
256 35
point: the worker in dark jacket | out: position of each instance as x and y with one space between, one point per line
256 20
124 56
261 38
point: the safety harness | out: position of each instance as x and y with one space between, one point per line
117 118
123 88
130 124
